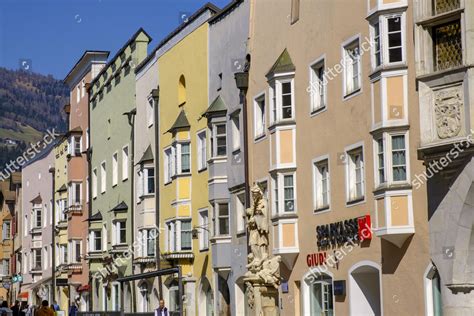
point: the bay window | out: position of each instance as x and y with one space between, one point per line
391 162
219 140
149 242
235 121
75 251
388 36
282 100
37 257
37 218
184 157
179 235
169 170
221 211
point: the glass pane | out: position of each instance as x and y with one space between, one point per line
220 129
448 45
394 24
398 142
395 39
224 226
286 87
286 100
315 299
441 6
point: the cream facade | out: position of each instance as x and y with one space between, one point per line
333 132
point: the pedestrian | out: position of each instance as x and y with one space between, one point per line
4 310
23 308
73 309
16 308
162 310
56 306
44 310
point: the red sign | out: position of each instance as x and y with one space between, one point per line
316 259
365 230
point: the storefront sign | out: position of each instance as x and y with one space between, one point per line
338 233
316 259
339 287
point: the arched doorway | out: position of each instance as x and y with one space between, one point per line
206 298
318 298
364 289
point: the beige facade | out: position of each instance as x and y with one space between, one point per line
333 132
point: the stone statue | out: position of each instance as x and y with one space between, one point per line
263 276
257 221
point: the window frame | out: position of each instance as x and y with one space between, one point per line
259 111
319 63
215 137
276 106
168 173
125 162
103 177
205 229
117 230
318 207
240 212
277 181
348 44
95 183
179 155
235 123
349 152
382 22
201 149
218 217
93 240
114 169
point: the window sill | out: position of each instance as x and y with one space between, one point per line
259 138
282 122
217 159
204 249
202 169
394 186
356 201
318 111
400 65
352 94
236 151
277 217
322 209
440 18
123 180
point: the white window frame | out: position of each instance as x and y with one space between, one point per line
145 177
388 158
114 169
71 250
276 105
37 208
174 235
218 216
180 156
214 152
75 148
382 22
278 201
103 177
201 142
116 229
259 119
204 230
346 46
92 240
351 186
240 212
125 159
168 164
6 230
150 112
146 236
318 205
315 85
115 294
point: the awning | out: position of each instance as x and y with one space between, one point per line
83 288
23 295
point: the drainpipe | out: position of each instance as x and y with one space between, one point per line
89 173
156 97
131 121
53 230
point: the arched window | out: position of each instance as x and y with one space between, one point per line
181 91
318 296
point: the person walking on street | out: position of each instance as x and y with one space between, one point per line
44 310
73 309
16 308
162 310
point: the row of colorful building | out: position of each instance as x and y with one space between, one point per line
345 113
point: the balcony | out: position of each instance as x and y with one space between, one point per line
176 255
74 267
221 252
394 217
75 208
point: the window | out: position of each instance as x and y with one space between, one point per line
204 230
240 212
202 150
235 122
94 183
150 112
75 194
6 267
168 165
87 189
145 297
388 37
6 230
447 41
109 128
75 249
37 216
355 175
116 296
317 87
149 242
295 11
222 217
219 140
76 145
83 88
95 240
114 169
78 94
149 180
289 195
184 162
380 161
321 184
120 232
63 254
442 6
399 167
87 138
352 68
282 100
434 304
124 163
259 116
395 159
179 235
321 296
103 177
37 256
283 193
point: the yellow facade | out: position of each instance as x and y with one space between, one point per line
61 239
184 87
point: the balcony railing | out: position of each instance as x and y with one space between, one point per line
75 207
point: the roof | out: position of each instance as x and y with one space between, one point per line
122 206
147 155
44 151
37 200
96 217
283 64
194 16
225 10
134 36
181 122
217 106
62 188
83 57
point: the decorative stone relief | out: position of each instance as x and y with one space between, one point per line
448 111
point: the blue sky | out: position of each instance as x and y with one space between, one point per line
53 34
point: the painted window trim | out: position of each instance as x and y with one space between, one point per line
315 162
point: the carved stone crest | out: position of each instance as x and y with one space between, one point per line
448 107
